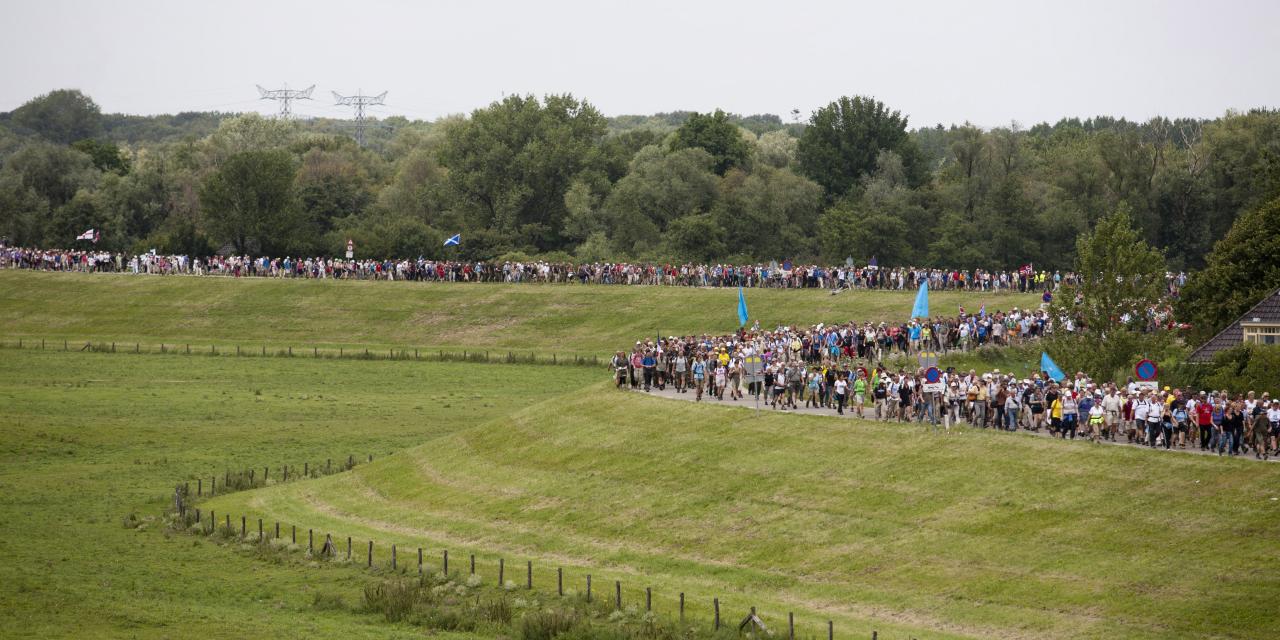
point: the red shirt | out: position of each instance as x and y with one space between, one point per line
1204 414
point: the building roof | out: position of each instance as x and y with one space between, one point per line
1267 310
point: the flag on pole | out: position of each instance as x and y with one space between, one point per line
1050 367
454 241
873 262
88 235
982 311
921 308
742 308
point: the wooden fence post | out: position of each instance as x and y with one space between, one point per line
277 529
393 557
473 564
446 563
199 486
617 590
311 542
681 606
370 553
243 528
529 577
831 630
419 560
791 625
260 538
716 602
501 572
648 598
588 587
293 535
348 548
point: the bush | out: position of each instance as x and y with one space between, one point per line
394 599
545 625
1246 368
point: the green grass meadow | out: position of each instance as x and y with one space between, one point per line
974 534
874 526
595 320
90 438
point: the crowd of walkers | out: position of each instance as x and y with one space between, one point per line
818 368
772 275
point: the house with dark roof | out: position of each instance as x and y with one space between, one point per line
1259 325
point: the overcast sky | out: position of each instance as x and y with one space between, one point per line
949 61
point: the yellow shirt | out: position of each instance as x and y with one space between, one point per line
1056 411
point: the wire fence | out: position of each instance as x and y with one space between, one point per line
419 354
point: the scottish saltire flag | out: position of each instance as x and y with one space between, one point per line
1050 367
88 235
921 308
742 308
454 241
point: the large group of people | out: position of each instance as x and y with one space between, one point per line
830 368
771 275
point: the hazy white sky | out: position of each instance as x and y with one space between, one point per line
948 61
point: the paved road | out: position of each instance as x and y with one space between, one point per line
749 403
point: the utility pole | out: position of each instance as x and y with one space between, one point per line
359 102
285 97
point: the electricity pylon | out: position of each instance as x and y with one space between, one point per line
359 102
285 97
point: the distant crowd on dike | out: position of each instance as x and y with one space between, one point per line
784 275
817 368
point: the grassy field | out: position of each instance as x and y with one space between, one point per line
542 318
90 438
879 526
876 526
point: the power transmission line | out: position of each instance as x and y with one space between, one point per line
359 102
285 97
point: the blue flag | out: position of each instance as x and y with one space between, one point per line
454 241
873 262
1050 367
921 309
742 308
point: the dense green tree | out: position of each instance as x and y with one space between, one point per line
660 188
106 156
769 214
713 133
63 116
1243 268
511 163
843 139
1121 279
251 202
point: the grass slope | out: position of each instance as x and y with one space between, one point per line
881 526
542 318
89 438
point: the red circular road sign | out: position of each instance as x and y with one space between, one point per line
1146 370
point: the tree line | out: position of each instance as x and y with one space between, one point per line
553 177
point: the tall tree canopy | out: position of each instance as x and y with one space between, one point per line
843 139
511 163
1121 279
1243 268
63 116
717 136
250 202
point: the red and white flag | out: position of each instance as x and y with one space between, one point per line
1027 270
89 235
